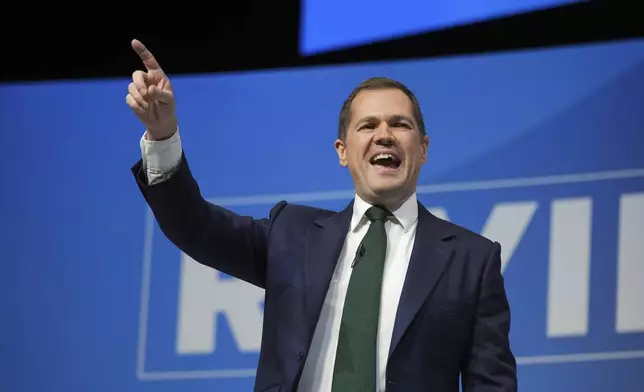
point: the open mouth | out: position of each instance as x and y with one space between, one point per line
385 160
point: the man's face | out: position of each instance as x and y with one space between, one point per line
383 148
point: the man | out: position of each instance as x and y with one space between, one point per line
382 295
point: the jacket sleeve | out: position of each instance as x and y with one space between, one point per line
210 234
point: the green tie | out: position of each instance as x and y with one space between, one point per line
355 363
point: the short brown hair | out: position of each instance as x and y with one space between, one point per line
378 83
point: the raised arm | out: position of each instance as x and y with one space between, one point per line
210 234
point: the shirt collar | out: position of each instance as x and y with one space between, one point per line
405 215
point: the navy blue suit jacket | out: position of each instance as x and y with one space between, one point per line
453 318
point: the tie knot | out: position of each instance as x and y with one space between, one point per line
377 213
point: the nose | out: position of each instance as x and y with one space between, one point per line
383 135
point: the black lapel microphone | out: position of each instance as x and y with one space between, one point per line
360 252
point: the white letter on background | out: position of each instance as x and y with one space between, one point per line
630 267
507 224
202 295
569 269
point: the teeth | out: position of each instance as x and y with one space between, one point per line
383 156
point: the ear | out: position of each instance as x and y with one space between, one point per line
424 145
342 152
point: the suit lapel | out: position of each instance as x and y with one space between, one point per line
430 257
324 241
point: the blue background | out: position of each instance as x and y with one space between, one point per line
74 223
337 24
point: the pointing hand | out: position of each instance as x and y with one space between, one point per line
151 98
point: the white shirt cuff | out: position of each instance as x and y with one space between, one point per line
161 157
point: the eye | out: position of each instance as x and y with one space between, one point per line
402 125
368 126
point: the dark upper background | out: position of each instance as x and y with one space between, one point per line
94 41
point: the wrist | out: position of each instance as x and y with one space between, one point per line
158 136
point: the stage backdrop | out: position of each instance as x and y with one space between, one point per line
539 150
323 28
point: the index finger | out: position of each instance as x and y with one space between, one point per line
148 59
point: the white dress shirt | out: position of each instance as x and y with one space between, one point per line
161 157
318 369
